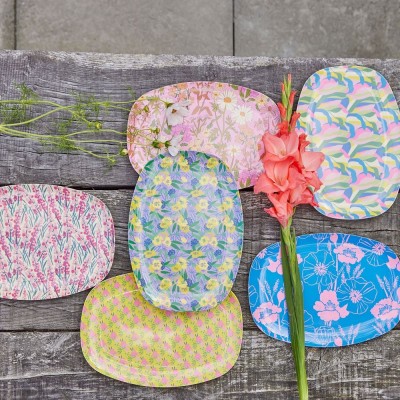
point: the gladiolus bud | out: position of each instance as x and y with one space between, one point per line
291 97
282 110
294 119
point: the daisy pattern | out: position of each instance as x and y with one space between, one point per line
227 100
242 114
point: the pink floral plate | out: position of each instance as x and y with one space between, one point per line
224 120
54 241
351 290
126 338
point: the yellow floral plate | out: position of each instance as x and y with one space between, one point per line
126 338
185 231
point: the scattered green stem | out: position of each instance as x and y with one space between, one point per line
83 117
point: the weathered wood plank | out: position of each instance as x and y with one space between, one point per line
50 365
57 76
260 230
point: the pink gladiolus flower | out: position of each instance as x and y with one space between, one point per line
328 307
282 210
280 148
289 176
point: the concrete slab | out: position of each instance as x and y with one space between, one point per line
6 24
127 26
314 28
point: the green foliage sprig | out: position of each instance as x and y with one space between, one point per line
79 124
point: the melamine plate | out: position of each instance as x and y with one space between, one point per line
185 231
126 338
350 284
351 115
54 241
221 119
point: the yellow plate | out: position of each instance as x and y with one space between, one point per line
126 338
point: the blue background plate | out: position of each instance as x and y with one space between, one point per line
351 289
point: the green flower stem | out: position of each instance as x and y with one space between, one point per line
99 141
295 305
95 131
80 122
29 121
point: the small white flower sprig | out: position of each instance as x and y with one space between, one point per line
174 115
80 124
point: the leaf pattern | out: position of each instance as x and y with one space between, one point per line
351 115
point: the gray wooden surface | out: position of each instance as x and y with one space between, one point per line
40 356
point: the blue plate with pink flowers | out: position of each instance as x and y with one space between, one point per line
351 290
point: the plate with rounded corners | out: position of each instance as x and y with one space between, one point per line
126 338
350 285
54 241
185 231
351 115
221 119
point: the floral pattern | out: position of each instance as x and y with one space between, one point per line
351 290
221 119
185 231
54 241
126 338
351 115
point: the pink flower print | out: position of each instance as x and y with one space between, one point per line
281 295
349 253
393 263
338 341
328 307
276 266
386 309
267 313
114 319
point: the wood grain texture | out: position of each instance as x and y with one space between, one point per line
50 365
260 231
58 76
40 356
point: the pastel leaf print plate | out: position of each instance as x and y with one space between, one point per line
126 338
221 119
350 284
54 241
185 231
351 115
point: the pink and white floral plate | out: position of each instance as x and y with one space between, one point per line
351 290
221 119
54 241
